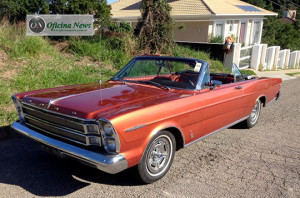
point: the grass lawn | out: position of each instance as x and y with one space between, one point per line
31 63
293 74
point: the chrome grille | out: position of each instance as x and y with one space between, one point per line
59 125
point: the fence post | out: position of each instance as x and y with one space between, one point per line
287 58
234 57
298 60
281 59
256 57
270 58
293 60
263 56
276 57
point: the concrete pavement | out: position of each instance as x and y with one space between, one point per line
278 74
259 162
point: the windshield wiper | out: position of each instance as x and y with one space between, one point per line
154 83
117 79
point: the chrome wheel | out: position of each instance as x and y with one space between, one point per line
255 113
158 156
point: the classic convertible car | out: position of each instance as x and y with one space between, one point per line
153 107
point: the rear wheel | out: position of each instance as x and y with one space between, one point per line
157 158
254 116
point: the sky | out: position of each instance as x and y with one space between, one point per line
111 1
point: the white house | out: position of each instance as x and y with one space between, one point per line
201 20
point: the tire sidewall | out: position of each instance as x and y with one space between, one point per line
249 123
143 171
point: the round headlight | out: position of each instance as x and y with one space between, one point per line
108 129
111 144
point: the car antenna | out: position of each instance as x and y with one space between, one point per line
100 81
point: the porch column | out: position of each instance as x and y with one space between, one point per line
234 57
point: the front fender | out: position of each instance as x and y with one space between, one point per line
133 150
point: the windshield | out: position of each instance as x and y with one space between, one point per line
167 72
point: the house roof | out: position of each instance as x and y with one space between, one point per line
123 9
287 20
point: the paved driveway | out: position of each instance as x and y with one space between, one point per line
260 162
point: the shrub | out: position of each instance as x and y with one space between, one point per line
217 39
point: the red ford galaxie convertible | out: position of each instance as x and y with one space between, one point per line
153 107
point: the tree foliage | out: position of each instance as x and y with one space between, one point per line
155 27
16 10
278 6
285 35
276 32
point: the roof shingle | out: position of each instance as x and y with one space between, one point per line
130 8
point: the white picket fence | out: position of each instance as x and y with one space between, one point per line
262 57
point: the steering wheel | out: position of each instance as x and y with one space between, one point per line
192 85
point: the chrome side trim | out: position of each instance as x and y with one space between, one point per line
107 163
135 128
276 98
225 127
271 101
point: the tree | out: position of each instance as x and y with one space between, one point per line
285 35
102 13
16 10
155 27
275 32
99 8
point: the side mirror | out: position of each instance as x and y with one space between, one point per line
213 87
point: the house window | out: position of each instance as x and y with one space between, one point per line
243 29
219 30
231 27
256 32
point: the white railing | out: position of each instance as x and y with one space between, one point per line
245 57
262 57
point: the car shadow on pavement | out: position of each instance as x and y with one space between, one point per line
23 164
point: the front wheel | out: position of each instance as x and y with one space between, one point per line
253 118
157 158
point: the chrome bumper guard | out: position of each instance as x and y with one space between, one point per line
108 163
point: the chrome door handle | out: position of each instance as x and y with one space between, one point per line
239 87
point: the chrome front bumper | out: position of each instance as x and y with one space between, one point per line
108 163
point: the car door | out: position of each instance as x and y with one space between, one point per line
222 107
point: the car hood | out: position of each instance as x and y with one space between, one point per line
94 100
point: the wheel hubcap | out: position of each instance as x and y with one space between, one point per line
255 113
158 156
